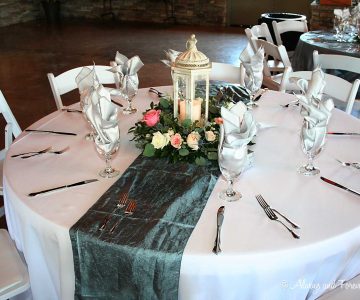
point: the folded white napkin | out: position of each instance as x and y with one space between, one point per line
171 56
253 65
342 13
102 114
86 81
125 72
239 125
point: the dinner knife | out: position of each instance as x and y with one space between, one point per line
50 131
62 187
344 133
339 185
220 219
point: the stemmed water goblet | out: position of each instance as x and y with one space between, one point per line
312 142
107 151
129 90
231 163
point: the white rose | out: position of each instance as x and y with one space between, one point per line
170 132
210 136
193 140
159 140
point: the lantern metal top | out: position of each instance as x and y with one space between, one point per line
192 58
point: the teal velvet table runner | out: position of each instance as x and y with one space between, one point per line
141 258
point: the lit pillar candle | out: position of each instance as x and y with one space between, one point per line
195 109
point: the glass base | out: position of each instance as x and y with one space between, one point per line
251 104
129 110
308 170
224 195
109 173
90 136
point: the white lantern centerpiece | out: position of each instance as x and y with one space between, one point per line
190 74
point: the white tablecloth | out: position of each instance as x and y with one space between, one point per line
260 259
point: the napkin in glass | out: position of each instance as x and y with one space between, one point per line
125 72
171 56
253 65
102 114
238 129
86 81
342 13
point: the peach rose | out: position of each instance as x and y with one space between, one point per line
210 136
152 117
193 140
218 121
176 141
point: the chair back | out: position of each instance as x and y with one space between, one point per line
287 26
282 64
8 116
337 62
226 72
258 31
65 82
14 278
335 87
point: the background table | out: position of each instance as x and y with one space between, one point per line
260 259
323 41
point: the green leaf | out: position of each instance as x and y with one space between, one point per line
186 123
200 161
164 103
212 155
184 152
149 150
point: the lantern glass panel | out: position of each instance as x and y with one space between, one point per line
181 82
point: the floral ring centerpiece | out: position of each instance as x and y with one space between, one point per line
185 127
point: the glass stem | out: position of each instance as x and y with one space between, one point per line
108 167
310 165
230 191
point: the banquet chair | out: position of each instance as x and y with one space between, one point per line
258 31
336 88
227 72
14 278
344 63
274 81
12 129
288 26
65 82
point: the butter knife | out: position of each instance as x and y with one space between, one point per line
50 131
220 219
344 133
339 185
62 187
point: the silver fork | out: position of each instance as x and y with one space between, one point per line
32 152
53 152
130 208
348 164
37 153
272 215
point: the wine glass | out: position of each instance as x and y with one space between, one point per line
107 151
338 24
129 90
231 163
312 142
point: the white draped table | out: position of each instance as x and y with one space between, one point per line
260 259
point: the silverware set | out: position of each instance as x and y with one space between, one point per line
36 153
270 212
355 165
129 210
219 222
157 92
49 131
71 110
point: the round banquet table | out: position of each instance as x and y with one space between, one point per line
259 259
325 43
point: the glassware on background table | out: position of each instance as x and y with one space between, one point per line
339 26
107 152
231 163
312 142
129 91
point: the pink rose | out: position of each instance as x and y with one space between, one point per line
152 117
176 141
